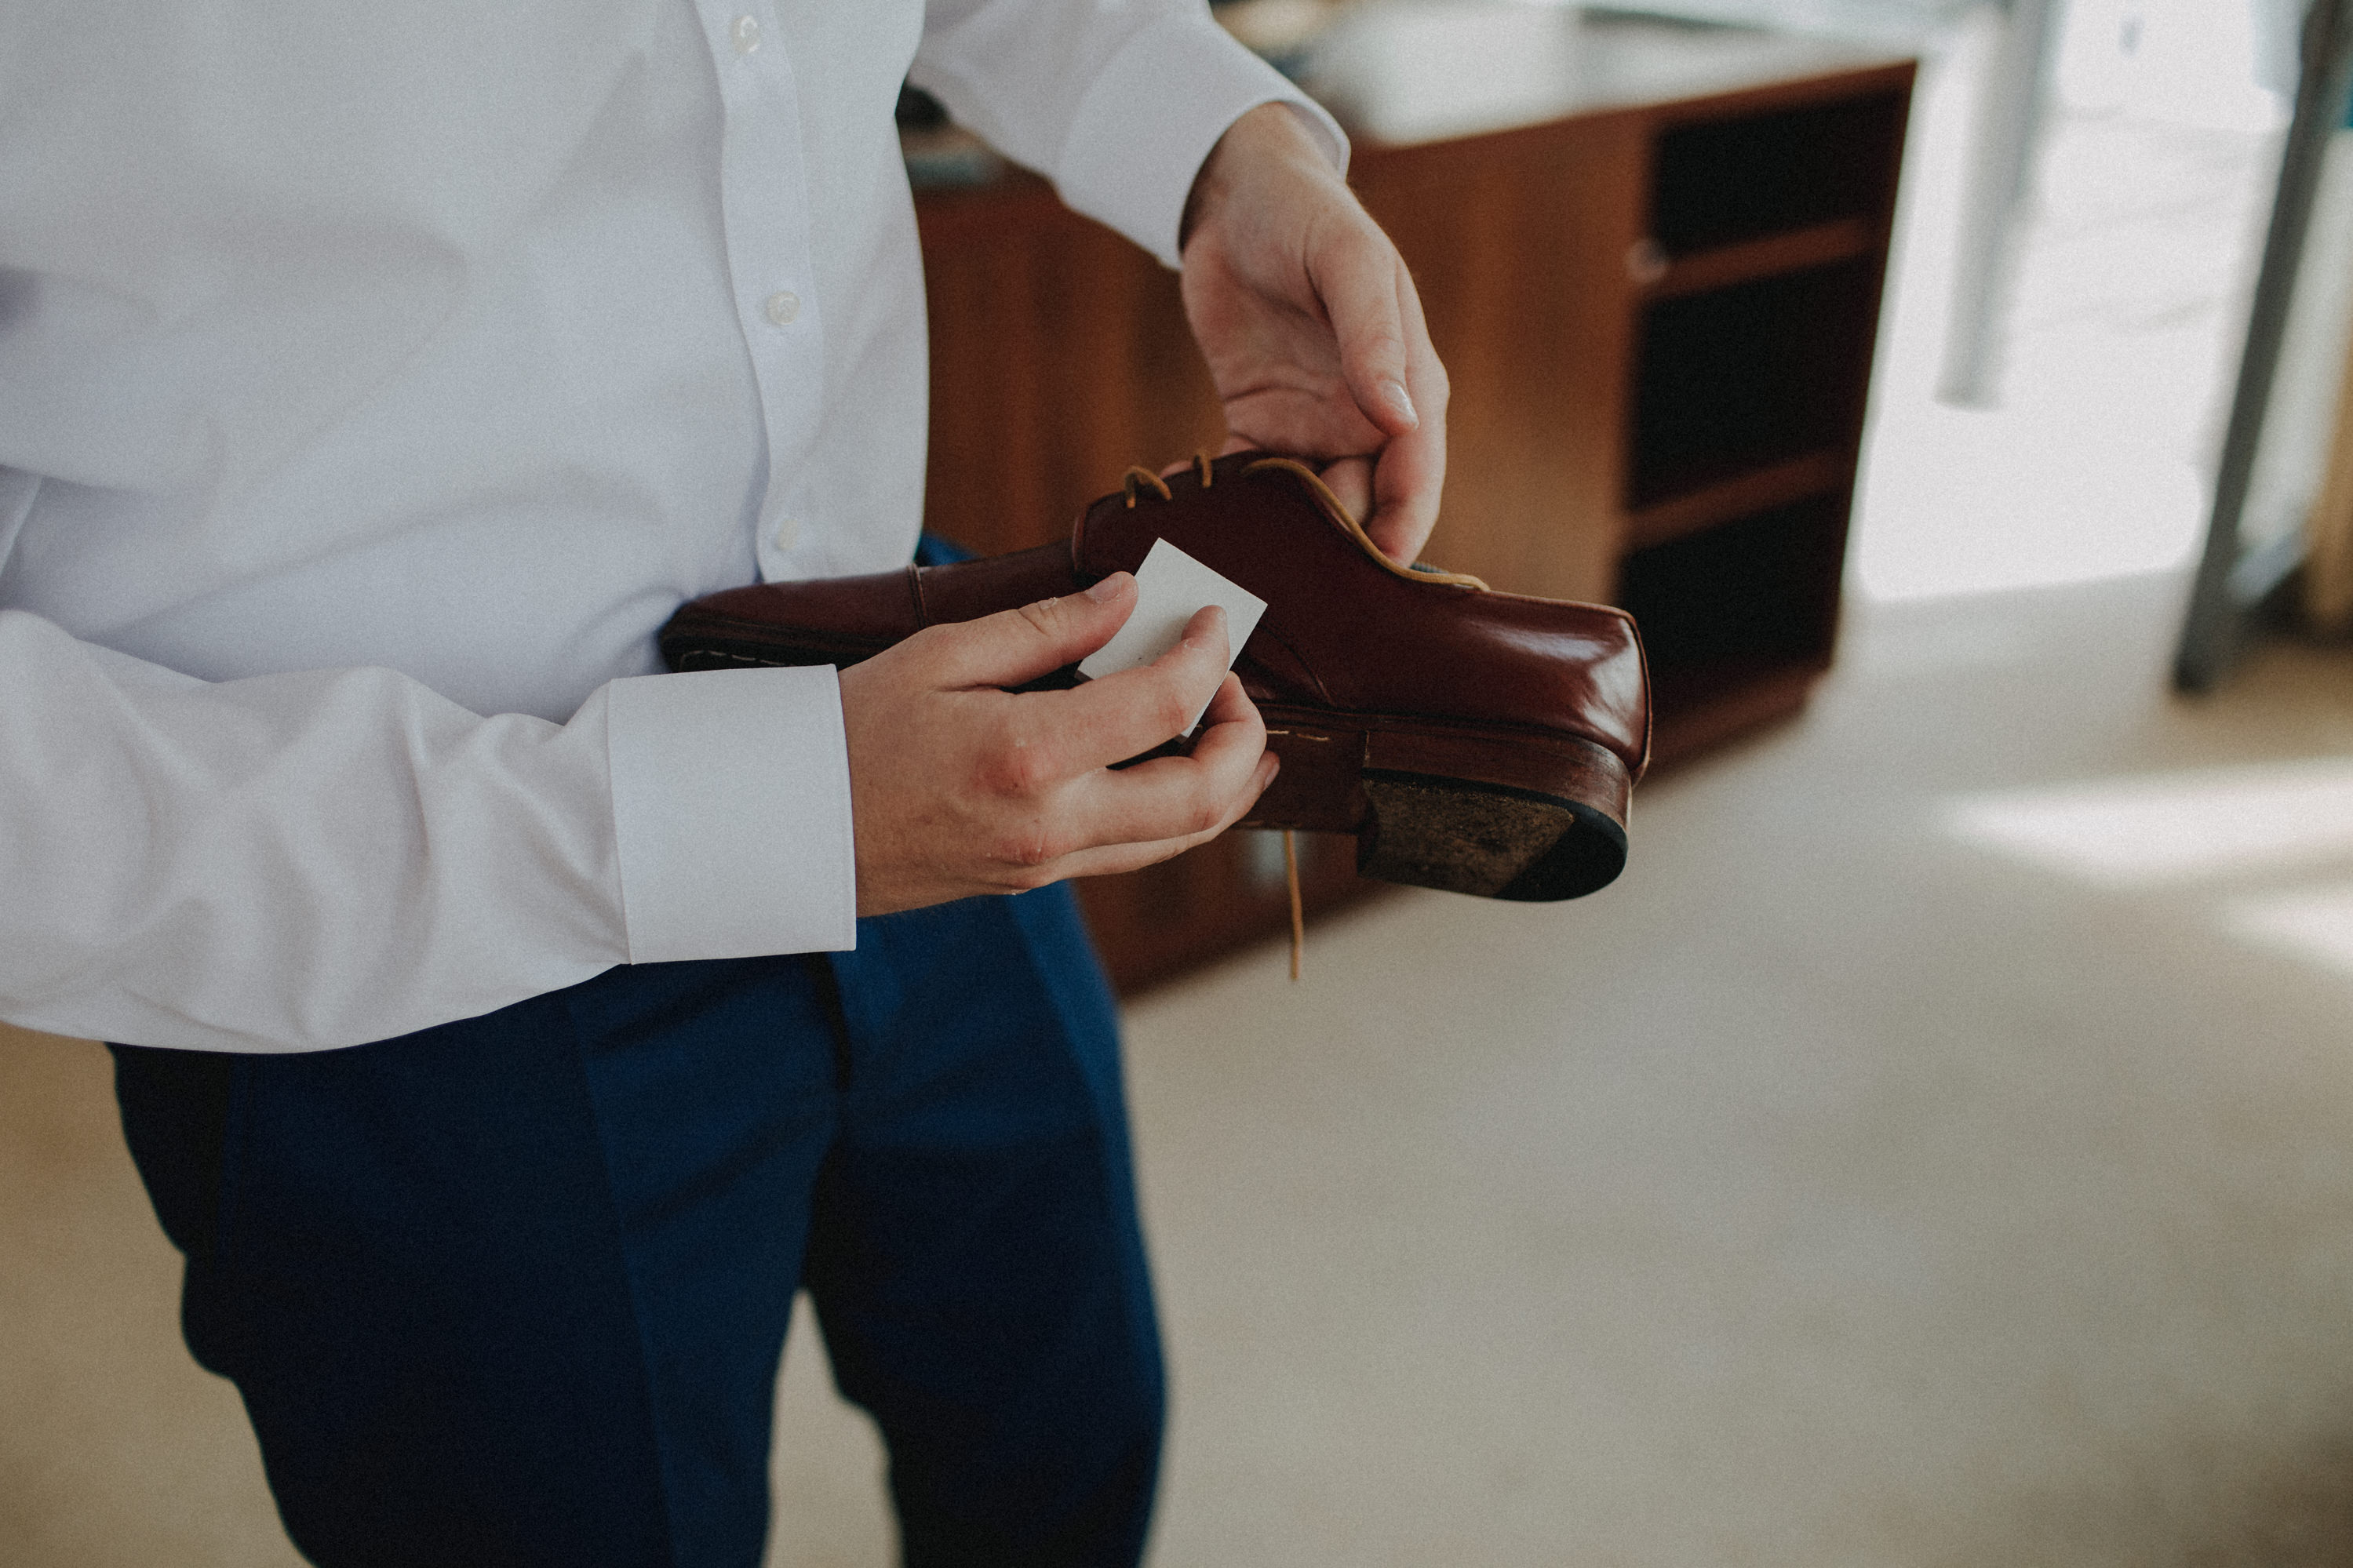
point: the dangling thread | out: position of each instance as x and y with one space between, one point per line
1298 922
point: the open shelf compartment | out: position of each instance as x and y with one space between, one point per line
1721 182
1743 378
1735 608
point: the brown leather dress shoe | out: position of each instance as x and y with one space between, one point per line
1475 741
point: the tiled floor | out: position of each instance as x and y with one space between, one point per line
1938 1150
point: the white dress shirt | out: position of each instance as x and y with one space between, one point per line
374 380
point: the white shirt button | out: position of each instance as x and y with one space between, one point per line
744 35
783 305
788 532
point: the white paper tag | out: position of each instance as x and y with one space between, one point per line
1169 587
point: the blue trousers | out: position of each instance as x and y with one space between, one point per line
513 1290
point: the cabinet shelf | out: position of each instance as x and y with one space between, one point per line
1749 376
1702 707
1748 604
1841 239
1759 489
1721 180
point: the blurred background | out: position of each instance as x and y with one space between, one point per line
1937 1148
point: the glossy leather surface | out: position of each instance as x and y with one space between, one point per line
1342 632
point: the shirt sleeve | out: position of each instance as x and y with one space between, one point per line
1118 102
297 862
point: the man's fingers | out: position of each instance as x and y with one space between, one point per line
1126 715
1169 802
1395 380
1350 480
1044 739
1016 645
1229 705
1170 796
1405 493
1108 858
1357 278
1411 469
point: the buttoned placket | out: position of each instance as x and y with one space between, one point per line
764 189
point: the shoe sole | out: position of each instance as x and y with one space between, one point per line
1532 817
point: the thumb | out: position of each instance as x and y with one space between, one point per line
1016 646
1361 299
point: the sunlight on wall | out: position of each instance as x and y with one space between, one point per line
2193 62
1973 501
2121 329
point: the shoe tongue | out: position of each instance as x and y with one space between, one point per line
1116 532
1226 525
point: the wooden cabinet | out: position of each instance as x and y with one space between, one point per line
1657 304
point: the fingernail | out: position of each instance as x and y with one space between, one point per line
1103 590
1394 393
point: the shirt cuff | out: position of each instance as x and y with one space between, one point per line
1136 145
730 814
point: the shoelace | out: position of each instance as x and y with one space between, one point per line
1140 475
1298 921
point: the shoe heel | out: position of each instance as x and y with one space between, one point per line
1531 823
1316 790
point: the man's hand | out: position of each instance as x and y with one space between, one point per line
958 787
1312 328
